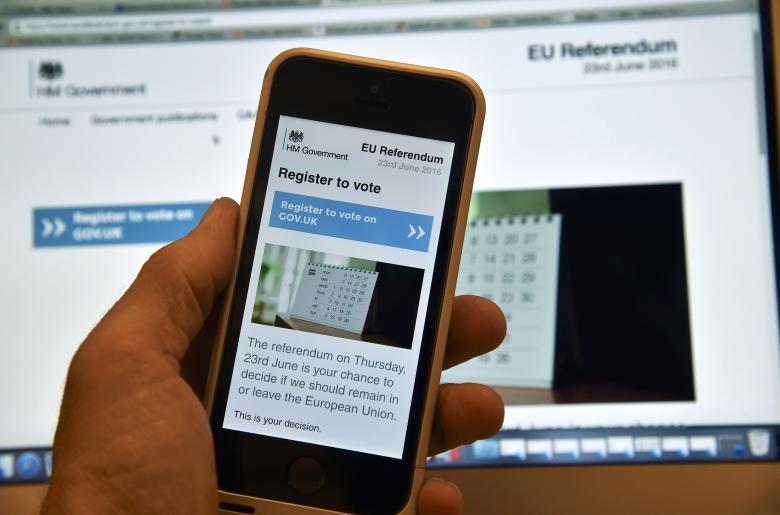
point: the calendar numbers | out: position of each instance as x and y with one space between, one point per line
514 262
527 297
335 296
530 238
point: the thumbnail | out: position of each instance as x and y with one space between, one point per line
340 296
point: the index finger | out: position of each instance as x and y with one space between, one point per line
477 326
176 287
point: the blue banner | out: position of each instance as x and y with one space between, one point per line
350 221
114 225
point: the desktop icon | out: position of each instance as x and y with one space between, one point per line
540 448
47 462
648 445
675 445
514 447
594 446
486 449
621 446
6 466
704 444
28 465
732 445
567 448
758 441
453 455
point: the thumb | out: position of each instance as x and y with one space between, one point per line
166 305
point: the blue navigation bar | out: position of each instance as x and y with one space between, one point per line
114 225
350 221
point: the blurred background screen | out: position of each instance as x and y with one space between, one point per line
622 215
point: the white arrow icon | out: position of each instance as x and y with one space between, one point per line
419 232
60 227
56 228
47 228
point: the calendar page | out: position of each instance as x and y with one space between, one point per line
335 296
514 262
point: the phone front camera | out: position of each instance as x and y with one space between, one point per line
373 89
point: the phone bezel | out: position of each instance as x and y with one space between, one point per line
257 466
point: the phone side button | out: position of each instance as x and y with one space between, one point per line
306 475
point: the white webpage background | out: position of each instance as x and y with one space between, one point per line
548 125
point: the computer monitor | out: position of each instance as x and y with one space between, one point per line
624 214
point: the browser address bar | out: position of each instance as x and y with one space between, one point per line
112 23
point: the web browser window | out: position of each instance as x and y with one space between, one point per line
622 214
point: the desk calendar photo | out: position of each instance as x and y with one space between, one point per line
334 295
513 261
593 284
338 296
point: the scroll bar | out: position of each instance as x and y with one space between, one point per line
761 107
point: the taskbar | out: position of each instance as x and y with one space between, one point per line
639 445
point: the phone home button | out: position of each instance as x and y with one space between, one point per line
306 475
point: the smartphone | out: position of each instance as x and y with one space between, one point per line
325 371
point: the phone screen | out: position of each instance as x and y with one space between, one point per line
340 279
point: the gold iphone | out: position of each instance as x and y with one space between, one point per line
324 378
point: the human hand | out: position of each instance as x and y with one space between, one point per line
133 436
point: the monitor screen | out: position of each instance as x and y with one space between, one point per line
622 216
